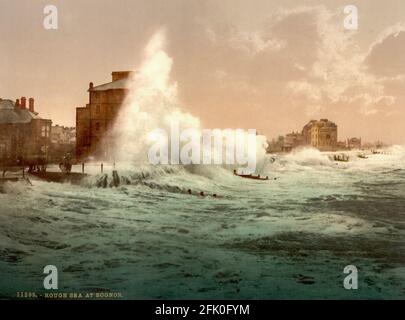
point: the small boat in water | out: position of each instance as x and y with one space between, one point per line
341 157
362 156
259 178
250 176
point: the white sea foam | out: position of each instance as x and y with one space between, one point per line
153 104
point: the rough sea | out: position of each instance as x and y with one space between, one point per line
289 237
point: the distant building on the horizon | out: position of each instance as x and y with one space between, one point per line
293 140
320 134
94 121
354 143
63 135
63 142
24 135
341 145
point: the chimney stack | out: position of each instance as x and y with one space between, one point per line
17 103
31 105
118 75
23 103
91 85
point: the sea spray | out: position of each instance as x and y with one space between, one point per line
152 103
150 111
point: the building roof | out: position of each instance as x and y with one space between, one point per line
320 123
10 114
118 84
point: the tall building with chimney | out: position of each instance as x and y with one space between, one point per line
24 135
93 122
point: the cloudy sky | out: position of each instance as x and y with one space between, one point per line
271 65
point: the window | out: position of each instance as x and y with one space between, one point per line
97 126
98 109
94 97
45 131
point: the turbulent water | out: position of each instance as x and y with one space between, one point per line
289 237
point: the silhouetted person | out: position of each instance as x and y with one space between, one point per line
202 194
189 191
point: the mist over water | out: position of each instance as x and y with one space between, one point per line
152 104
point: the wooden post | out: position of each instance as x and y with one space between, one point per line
82 167
102 168
23 172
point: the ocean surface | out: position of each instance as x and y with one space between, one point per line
289 237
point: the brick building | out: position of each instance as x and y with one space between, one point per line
23 134
93 122
321 134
